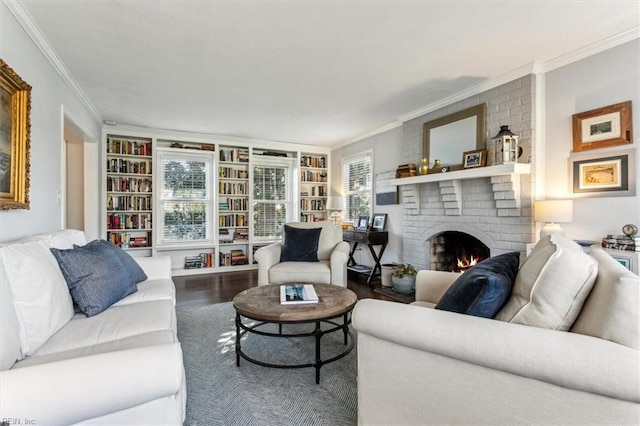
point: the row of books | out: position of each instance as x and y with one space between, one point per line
237 155
234 204
233 173
127 147
316 191
310 217
129 202
122 239
309 176
203 260
120 165
233 220
320 204
234 188
232 258
124 184
621 242
312 161
406 170
129 221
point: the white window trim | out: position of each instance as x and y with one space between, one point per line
351 159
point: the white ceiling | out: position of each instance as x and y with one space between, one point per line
321 73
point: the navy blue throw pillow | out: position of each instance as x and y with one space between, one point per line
484 288
95 276
300 244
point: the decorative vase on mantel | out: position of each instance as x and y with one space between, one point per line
424 166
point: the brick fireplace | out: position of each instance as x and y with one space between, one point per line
493 208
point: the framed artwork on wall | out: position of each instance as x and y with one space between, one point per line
15 126
603 175
603 127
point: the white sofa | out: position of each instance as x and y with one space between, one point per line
331 267
418 365
121 366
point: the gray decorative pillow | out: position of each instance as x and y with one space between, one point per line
95 276
135 271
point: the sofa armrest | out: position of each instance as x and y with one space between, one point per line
561 358
74 390
155 267
431 285
266 257
338 261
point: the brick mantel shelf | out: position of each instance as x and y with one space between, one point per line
505 180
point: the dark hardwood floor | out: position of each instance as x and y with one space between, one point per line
200 290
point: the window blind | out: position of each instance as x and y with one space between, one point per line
271 200
357 185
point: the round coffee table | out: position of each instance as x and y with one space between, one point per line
263 304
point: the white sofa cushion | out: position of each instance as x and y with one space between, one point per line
10 336
40 295
551 286
295 272
611 311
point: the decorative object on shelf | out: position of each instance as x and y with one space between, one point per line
403 278
630 230
379 221
475 158
406 170
335 204
436 163
602 127
505 144
600 176
424 166
444 169
15 121
552 212
363 224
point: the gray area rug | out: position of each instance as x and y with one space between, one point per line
220 393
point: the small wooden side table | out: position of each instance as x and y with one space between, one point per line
371 239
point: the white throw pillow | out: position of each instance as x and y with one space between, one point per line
10 336
551 286
611 311
40 294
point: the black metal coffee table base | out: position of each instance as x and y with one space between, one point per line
317 333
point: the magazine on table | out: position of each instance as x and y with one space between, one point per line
291 294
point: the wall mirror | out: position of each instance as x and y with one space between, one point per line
446 138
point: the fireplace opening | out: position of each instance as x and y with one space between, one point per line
456 251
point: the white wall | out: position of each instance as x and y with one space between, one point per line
48 97
387 152
603 79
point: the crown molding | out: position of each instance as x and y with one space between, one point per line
24 19
592 49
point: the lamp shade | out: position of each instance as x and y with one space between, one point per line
335 202
553 211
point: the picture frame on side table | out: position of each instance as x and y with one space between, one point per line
602 127
603 175
363 224
378 222
15 128
475 158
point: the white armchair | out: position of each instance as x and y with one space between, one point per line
331 267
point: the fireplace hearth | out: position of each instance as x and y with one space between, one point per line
456 251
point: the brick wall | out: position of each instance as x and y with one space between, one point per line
487 208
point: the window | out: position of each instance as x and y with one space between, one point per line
185 197
271 197
356 185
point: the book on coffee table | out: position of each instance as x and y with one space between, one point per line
291 294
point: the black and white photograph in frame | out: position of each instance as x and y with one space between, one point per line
378 222
363 223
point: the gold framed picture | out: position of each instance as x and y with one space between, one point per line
603 127
476 158
15 127
598 176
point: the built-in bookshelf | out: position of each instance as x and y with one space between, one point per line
233 205
129 192
313 187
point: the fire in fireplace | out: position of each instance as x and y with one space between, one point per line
456 251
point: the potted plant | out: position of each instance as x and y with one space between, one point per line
403 278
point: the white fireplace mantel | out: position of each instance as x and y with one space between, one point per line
505 179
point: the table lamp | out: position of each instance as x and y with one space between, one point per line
335 204
552 212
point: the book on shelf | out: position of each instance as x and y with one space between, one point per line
293 294
622 246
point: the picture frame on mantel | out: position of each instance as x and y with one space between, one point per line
475 158
610 175
15 128
602 127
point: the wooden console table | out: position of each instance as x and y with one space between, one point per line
371 239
